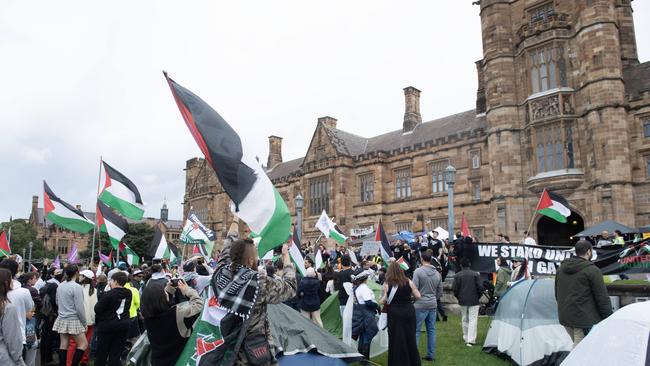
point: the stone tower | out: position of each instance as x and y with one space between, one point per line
275 152
412 117
164 212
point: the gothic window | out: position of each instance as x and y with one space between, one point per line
438 176
476 190
501 218
403 183
475 157
403 226
367 187
646 128
439 222
554 147
547 68
62 247
319 196
541 13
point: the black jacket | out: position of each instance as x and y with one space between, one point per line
581 295
467 287
342 277
113 307
308 298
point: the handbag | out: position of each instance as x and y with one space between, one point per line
382 323
258 350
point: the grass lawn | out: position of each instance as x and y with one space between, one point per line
450 348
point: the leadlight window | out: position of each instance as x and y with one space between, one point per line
547 68
476 190
403 183
439 222
319 196
367 187
403 226
501 218
62 247
475 157
541 13
438 176
554 147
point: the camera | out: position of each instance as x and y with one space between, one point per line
175 281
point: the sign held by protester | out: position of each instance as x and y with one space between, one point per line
370 248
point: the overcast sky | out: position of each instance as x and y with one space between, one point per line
82 79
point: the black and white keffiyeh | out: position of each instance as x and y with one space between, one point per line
236 293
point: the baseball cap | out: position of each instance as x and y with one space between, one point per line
87 273
137 272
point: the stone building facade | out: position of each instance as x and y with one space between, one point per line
61 240
562 103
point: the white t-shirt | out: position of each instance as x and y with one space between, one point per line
22 300
530 241
364 293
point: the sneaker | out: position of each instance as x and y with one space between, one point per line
427 358
468 344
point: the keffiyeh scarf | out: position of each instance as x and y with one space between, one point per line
236 292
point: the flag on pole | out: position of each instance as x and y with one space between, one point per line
402 263
73 255
32 268
111 223
464 226
194 232
106 259
160 248
386 252
64 214
57 263
119 193
554 206
254 198
328 228
318 260
296 256
353 257
132 258
5 250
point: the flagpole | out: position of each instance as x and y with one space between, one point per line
99 177
535 212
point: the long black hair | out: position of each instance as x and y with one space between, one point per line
5 286
154 300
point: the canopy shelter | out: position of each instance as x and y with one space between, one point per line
626 334
607 225
526 329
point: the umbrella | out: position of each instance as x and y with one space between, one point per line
607 225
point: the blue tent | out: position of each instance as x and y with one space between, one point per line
311 359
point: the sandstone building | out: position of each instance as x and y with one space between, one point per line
562 103
61 240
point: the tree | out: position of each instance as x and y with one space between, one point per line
138 238
21 234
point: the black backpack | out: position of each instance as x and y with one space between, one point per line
48 298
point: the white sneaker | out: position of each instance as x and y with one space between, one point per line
468 344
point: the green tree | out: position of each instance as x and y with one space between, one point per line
138 238
21 234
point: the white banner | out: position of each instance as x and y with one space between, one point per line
370 248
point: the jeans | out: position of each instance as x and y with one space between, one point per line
110 344
469 315
429 317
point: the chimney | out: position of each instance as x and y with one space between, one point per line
275 152
412 116
328 121
34 217
481 106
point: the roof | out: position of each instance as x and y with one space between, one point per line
432 132
637 79
607 225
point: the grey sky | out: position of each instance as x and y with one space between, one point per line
83 79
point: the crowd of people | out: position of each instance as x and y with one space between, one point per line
71 315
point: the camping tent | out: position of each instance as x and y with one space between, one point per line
525 328
607 225
294 334
626 335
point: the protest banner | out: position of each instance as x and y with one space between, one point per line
370 248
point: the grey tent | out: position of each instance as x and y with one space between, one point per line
526 329
607 225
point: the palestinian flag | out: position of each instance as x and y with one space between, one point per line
554 206
296 255
194 232
386 252
329 228
132 258
64 214
106 259
111 223
5 250
402 263
160 248
254 199
120 194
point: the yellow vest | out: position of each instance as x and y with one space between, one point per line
135 300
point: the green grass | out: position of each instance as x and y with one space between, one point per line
450 348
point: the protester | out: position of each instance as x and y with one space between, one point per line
618 238
48 314
20 297
157 275
402 346
364 325
237 263
604 240
582 299
528 239
28 280
193 279
343 276
89 301
519 270
136 279
328 278
429 283
101 283
134 326
112 319
11 345
169 326
467 288
308 298
504 274
71 320
409 258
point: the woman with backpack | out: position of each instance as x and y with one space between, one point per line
308 297
71 322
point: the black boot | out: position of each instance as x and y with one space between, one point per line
78 354
63 357
365 351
